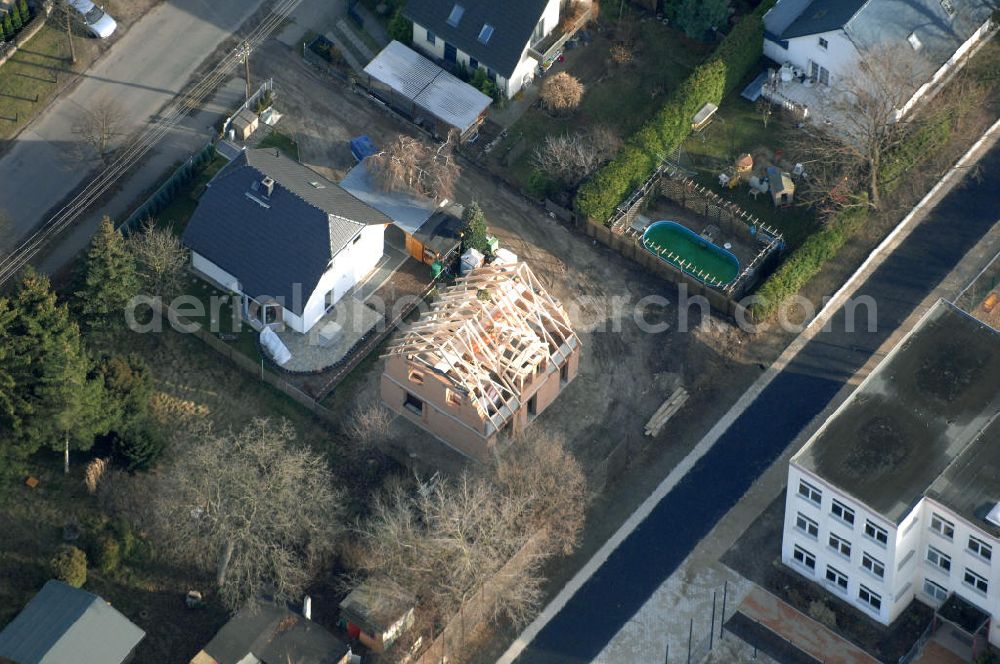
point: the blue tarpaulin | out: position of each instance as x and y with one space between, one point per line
362 147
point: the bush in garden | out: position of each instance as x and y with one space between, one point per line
70 565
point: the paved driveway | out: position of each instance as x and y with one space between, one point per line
651 552
142 72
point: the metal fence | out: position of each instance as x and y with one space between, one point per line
265 87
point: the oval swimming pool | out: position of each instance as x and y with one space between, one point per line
688 251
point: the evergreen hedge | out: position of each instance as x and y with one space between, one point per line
709 82
926 139
806 262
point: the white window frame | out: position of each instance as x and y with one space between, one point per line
846 514
873 600
980 549
839 581
938 559
873 565
806 526
978 582
942 526
876 530
840 545
935 591
810 493
804 558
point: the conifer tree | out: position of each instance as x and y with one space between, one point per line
8 27
109 283
474 228
15 18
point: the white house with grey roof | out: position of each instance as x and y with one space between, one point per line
896 496
285 238
485 34
829 40
67 625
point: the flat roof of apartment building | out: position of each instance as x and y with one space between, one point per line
922 423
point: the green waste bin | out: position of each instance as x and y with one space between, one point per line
492 244
436 269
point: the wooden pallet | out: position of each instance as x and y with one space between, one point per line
667 410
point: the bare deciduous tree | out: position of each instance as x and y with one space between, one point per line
447 541
570 158
251 504
160 259
101 126
561 93
369 425
414 165
867 114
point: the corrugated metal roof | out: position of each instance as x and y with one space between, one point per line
62 625
428 86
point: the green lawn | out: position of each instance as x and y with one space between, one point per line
281 141
739 128
177 213
621 98
32 76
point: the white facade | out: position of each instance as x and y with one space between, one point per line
930 554
351 264
523 74
838 55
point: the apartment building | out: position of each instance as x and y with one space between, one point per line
895 497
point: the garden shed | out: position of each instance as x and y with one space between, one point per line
377 612
781 186
425 93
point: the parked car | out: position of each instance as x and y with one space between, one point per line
98 21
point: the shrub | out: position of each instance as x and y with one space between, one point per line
561 93
15 18
127 539
481 81
70 565
400 28
924 141
8 27
137 448
805 262
107 554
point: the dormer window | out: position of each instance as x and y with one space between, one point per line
914 41
485 33
456 15
948 8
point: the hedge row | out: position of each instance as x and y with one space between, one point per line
923 142
709 82
806 262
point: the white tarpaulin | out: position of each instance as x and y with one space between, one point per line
274 346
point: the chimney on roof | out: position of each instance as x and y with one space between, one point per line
267 185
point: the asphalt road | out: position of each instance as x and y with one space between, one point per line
609 598
148 66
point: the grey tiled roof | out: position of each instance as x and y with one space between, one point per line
823 16
65 624
513 22
274 635
271 244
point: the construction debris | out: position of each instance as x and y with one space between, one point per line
667 410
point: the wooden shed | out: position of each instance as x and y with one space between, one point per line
377 612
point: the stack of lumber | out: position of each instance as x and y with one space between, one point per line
669 408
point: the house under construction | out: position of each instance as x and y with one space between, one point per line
492 353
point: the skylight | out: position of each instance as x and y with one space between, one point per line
914 41
486 33
456 15
949 8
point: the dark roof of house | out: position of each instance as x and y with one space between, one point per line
65 624
822 16
274 635
274 243
513 22
910 428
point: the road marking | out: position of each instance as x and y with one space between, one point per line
876 258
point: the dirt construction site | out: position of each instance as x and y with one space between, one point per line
634 353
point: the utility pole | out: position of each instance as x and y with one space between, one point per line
245 52
69 33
